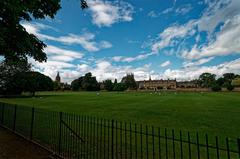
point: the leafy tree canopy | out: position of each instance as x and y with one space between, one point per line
207 80
129 81
108 85
15 42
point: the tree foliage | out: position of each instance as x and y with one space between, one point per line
15 42
119 87
87 83
207 80
108 85
35 81
129 81
17 77
8 73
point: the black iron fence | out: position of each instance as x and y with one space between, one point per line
84 137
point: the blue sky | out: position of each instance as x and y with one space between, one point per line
159 38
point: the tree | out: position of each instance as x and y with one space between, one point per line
230 87
220 81
15 42
207 80
108 85
215 87
228 77
35 81
119 87
87 83
129 81
9 72
90 83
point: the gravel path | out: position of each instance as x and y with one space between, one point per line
15 147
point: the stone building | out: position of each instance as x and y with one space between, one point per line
188 84
157 84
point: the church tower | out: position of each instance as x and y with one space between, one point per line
58 78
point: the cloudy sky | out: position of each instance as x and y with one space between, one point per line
163 38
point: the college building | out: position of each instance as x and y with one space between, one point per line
165 84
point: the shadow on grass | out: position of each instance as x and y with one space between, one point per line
27 96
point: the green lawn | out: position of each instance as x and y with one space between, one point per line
212 113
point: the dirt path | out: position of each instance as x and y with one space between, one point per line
15 147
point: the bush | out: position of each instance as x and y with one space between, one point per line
216 87
230 87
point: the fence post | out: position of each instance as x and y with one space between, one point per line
238 142
14 117
32 121
60 133
112 139
2 120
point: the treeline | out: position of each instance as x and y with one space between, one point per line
228 81
89 83
17 77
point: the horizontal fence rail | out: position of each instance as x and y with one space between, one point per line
84 137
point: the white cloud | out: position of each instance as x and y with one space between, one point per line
219 43
86 40
153 14
165 64
198 62
168 10
191 73
184 9
131 59
105 70
169 34
106 13
227 42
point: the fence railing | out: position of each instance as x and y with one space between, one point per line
75 136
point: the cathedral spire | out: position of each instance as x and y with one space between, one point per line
58 78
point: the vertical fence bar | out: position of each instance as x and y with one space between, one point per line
198 147
146 141
94 139
121 145
126 140
101 139
14 117
108 138
97 124
238 143
116 142
104 138
136 152
60 133
32 122
112 139
217 148
174 155
181 144
153 144
159 143
79 142
166 143
227 143
3 107
207 146
189 145
141 141
130 131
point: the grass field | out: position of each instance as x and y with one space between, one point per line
212 113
